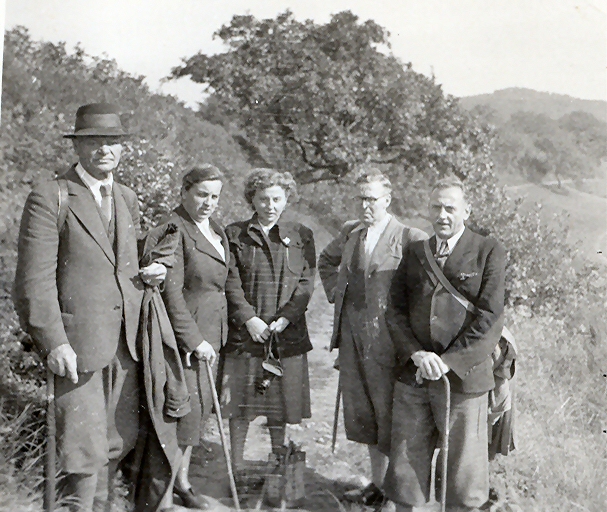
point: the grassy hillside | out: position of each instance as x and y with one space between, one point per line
509 101
541 137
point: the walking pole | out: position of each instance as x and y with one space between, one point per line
51 446
222 433
336 417
445 445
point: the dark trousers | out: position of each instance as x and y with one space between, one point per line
97 426
417 423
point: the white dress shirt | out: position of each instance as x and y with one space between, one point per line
451 242
374 232
213 238
93 184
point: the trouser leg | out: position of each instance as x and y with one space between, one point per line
359 412
414 437
467 461
379 465
80 489
98 423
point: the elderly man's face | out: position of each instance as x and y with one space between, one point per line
98 155
373 201
448 211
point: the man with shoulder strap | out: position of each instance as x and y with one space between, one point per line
446 317
78 292
356 271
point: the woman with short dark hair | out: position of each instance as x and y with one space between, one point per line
194 294
271 280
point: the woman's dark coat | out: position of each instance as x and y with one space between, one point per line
270 277
194 289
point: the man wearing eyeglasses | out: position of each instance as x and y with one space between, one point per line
356 270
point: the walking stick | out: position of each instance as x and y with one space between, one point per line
222 433
336 417
51 446
445 444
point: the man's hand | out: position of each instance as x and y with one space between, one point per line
431 366
154 274
258 329
279 325
206 352
62 362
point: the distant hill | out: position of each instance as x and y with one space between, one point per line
509 101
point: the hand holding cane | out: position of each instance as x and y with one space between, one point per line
222 434
51 446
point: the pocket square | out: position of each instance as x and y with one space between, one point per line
462 276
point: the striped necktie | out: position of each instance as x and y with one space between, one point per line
442 254
106 205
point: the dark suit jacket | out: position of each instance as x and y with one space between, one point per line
424 316
194 289
334 269
72 287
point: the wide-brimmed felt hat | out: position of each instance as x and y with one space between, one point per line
98 120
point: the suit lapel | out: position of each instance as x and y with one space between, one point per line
459 255
201 242
224 240
351 244
384 247
83 206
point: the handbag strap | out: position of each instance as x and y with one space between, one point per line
270 344
438 273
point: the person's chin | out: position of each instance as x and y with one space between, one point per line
443 233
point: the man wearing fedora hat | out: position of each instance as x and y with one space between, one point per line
78 291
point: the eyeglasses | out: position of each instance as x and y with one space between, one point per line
370 200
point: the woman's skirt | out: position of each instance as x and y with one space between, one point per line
286 400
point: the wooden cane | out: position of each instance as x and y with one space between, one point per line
445 444
336 417
222 434
51 446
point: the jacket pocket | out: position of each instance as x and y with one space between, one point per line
294 257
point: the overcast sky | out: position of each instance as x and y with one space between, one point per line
471 46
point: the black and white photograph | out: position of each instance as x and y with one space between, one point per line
326 256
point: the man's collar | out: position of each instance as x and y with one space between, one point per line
451 242
381 225
284 227
90 181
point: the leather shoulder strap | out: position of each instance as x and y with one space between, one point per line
438 273
62 203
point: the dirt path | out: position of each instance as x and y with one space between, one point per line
326 473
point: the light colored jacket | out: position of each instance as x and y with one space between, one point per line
334 269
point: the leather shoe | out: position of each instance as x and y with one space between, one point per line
191 500
371 496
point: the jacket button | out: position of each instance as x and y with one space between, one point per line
117 307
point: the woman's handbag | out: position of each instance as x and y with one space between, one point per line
270 364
